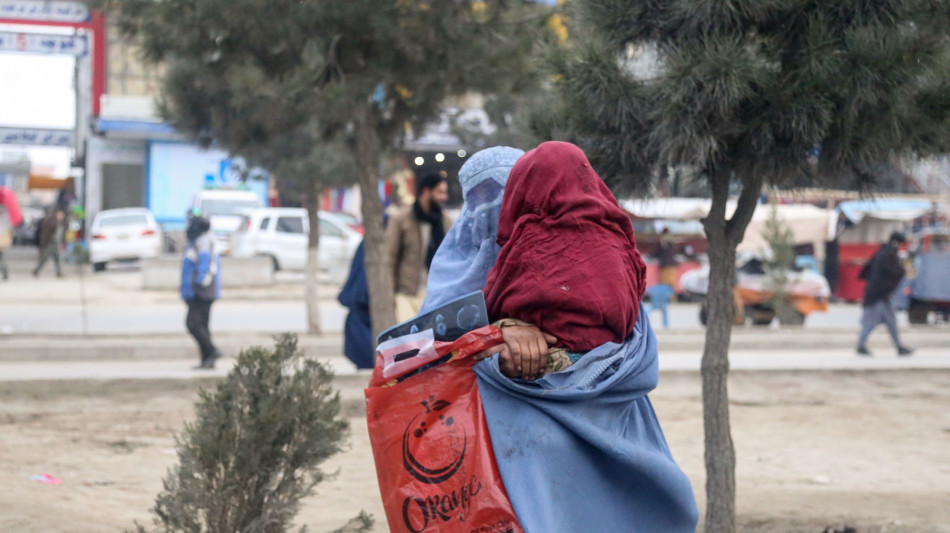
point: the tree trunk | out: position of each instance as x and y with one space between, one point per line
311 294
378 270
720 453
723 236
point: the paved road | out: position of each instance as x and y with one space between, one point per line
114 303
42 319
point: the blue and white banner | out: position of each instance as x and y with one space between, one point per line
44 10
36 136
43 43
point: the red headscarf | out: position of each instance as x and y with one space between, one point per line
568 262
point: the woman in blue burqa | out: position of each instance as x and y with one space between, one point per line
468 251
579 448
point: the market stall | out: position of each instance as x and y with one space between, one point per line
865 224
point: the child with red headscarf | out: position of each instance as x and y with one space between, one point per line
576 440
568 274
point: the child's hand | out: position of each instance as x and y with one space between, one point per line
505 362
524 353
527 348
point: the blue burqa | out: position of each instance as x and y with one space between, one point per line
582 450
468 252
579 450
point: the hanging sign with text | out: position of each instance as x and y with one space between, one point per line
35 136
44 10
43 43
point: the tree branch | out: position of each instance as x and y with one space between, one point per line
745 207
714 223
331 69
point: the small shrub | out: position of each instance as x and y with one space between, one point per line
781 243
255 449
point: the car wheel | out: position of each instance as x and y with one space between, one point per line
702 314
98 267
276 263
917 312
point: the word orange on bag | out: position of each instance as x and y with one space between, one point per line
434 460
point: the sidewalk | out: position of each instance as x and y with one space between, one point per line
176 344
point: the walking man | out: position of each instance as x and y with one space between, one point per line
51 234
412 238
883 274
201 286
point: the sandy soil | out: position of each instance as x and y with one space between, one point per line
870 450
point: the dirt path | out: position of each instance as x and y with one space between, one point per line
815 449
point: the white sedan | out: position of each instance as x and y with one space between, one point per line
280 233
123 235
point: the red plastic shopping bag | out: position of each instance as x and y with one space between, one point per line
434 460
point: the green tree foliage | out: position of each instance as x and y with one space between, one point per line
249 75
748 92
256 446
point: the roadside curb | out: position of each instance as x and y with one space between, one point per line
148 347
351 381
177 346
748 338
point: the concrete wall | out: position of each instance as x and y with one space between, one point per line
165 272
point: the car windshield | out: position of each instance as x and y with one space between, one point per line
216 207
122 220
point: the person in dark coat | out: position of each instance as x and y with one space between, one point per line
883 274
51 234
358 330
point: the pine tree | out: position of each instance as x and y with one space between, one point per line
255 448
748 92
253 75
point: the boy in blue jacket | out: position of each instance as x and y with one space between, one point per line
201 286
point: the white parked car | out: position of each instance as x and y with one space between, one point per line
123 235
225 209
281 233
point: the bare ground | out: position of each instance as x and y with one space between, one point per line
869 450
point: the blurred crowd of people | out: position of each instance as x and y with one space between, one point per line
57 234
